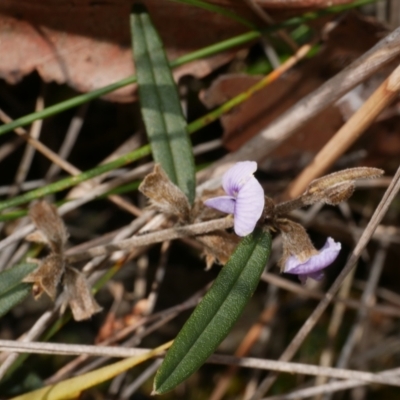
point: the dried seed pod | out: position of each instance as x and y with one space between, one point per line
331 189
338 193
346 175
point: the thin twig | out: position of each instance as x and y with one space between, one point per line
246 362
156 237
297 116
128 391
327 355
347 135
163 316
330 387
296 342
367 299
261 13
41 148
69 140
250 339
29 152
9 147
36 330
285 284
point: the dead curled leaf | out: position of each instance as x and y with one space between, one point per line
47 277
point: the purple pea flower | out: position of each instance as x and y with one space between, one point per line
245 197
312 267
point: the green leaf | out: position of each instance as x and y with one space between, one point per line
66 183
216 314
13 276
13 297
12 290
160 105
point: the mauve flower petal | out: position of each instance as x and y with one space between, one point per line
225 204
317 276
249 207
237 176
326 256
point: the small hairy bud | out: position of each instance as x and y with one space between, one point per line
78 295
164 195
48 222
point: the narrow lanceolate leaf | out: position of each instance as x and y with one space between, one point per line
13 297
160 105
12 291
13 276
216 314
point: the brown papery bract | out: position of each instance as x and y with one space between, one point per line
78 295
165 196
47 277
295 241
49 223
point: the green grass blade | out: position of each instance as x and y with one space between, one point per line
74 180
160 105
218 10
13 276
216 314
14 297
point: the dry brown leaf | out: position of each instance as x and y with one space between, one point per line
164 195
86 44
78 295
46 219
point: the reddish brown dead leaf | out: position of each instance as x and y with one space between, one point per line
86 44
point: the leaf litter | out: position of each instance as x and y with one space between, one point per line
352 36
